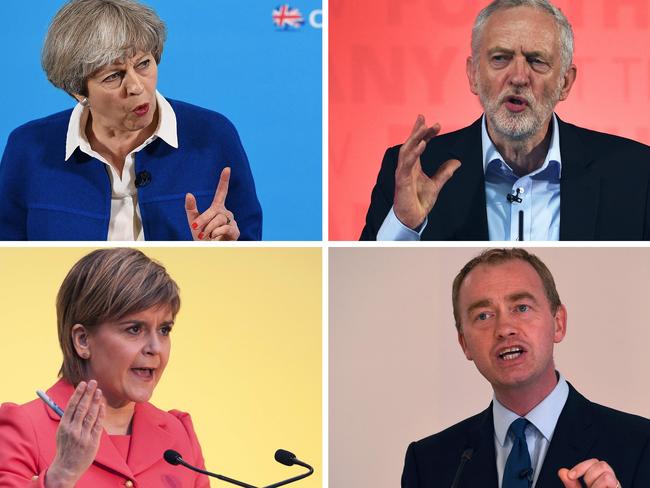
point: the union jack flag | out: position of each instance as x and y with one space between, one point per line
285 17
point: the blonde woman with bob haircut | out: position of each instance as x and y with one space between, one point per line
126 163
115 312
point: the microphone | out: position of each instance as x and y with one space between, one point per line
283 457
527 474
174 458
466 456
515 198
143 178
289 459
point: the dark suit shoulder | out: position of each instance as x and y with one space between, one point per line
621 423
616 155
603 139
458 435
434 460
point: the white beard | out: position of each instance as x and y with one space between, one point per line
518 126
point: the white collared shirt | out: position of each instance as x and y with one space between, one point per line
543 419
125 222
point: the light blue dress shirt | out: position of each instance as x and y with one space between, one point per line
543 419
539 193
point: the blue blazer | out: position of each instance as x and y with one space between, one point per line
44 197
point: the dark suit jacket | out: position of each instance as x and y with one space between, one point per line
605 187
584 430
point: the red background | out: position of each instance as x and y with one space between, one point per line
392 59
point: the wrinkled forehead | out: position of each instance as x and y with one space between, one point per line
496 281
520 29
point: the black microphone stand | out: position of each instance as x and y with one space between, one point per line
295 478
287 458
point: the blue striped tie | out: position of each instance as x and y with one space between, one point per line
518 471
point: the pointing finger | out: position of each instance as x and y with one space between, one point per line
222 187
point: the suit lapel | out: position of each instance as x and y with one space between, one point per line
149 439
460 209
579 187
481 470
572 440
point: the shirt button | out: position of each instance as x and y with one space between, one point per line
128 484
35 477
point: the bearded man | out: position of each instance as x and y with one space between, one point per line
519 172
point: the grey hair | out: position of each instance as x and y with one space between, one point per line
86 35
566 32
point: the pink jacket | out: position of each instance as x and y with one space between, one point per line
28 446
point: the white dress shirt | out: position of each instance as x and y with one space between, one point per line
543 419
125 222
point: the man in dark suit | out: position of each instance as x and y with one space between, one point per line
500 178
538 431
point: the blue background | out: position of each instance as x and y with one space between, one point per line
225 55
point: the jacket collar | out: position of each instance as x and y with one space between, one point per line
573 438
580 187
149 435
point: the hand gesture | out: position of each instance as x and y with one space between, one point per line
594 473
217 223
415 192
78 436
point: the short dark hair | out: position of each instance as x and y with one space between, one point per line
499 256
106 285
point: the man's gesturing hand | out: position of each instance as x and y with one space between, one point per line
78 436
595 474
415 192
217 223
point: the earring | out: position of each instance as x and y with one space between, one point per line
84 102
85 355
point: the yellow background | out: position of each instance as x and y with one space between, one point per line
246 348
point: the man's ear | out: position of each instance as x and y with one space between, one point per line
471 75
559 324
463 345
568 81
80 341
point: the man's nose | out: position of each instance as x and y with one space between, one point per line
520 74
505 325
